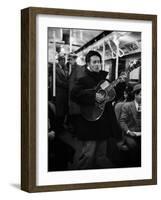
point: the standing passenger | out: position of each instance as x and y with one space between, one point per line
76 72
61 93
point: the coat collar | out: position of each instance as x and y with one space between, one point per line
134 110
98 76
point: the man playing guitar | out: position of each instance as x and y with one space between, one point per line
92 131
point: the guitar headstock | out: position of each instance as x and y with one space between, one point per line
134 64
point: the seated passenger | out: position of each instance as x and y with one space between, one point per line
130 122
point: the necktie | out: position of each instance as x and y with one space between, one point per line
139 108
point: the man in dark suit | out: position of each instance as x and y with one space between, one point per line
93 135
75 72
130 122
61 93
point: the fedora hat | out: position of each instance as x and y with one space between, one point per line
72 55
60 56
136 88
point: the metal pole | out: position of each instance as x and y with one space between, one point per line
117 62
117 58
70 48
103 56
70 40
54 68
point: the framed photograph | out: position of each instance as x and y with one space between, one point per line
88 99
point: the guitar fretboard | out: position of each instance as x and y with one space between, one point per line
130 69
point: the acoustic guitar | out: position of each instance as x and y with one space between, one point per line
107 91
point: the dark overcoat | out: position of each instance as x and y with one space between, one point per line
76 73
106 126
61 91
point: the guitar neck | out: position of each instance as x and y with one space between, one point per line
130 68
113 84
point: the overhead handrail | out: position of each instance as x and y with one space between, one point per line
115 51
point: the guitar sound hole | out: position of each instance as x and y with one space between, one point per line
102 92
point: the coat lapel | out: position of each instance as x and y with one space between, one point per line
61 72
133 110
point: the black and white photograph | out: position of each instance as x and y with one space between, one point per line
94 99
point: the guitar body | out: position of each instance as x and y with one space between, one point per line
94 112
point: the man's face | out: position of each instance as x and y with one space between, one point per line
62 61
138 97
72 61
125 94
95 64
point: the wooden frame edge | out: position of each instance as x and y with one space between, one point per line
24 99
154 99
28 100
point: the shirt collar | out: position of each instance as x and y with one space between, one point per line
136 104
